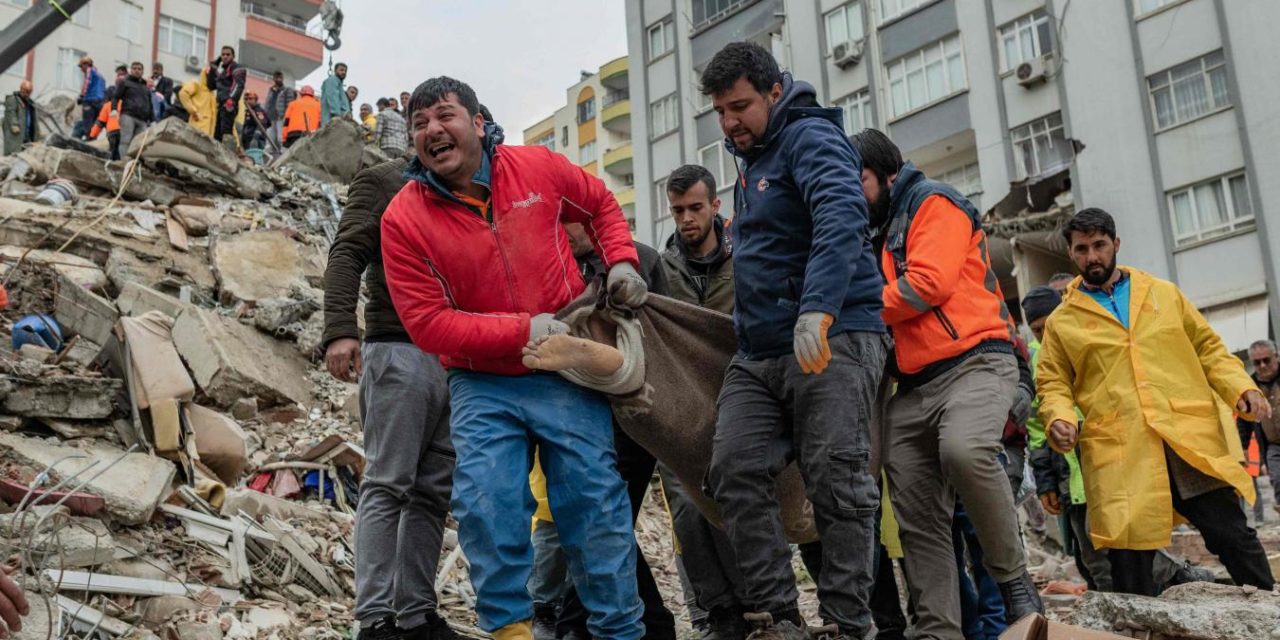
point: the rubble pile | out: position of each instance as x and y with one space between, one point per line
172 462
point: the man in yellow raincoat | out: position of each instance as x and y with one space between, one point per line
1150 375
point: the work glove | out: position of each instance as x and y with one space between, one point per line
810 341
626 287
545 324
1021 409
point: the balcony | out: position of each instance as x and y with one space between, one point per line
289 10
275 40
617 161
615 114
626 197
613 74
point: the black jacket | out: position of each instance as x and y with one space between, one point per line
590 266
164 86
227 82
133 98
357 247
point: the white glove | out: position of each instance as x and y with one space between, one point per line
810 341
626 287
545 324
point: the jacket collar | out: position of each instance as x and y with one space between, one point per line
493 136
1139 286
798 100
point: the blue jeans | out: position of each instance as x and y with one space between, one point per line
981 609
496 422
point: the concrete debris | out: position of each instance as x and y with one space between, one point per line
44 163
221 443
257 266
75 268
59 396
84 542
230 360
1197 610
136 299
36 353
325 155
184 153
83 312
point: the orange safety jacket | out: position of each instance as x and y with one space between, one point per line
105 119
303 114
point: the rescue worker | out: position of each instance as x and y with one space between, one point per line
477 263
1156 386
302 116
334 102
811 346
199 102
957 381
107 121
21 126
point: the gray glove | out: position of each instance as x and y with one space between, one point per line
810 341
1021 409
626 287
545 324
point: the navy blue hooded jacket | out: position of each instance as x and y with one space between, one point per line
800 231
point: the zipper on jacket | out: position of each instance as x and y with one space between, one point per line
506 265
946 323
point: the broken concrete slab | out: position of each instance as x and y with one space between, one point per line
84 312
160 609
1201 610
36 353
259 505
132 487
195 219
257 265
230 361
71 397
220 442
75 268
285 317
136 299
87 171
195 159
82 542
327 154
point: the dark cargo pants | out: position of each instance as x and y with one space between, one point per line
772 413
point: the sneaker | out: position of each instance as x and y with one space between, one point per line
724 623
764 628
544 621
382 629
1020 598
1188 573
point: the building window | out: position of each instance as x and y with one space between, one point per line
547 140
182 38
1211 209
890 9
967 180
129 23
707 11
701 101
69 75
586 110
564 137
1147 6
844 25
722 165
18 68
663 116
1025 39
662 38
857 111
1189 90
926 76
1040 147
587 153
81 17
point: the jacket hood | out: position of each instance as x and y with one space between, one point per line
493 136
908 175
799 100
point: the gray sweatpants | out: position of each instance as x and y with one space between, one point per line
772 413
130 127
404 499
943 441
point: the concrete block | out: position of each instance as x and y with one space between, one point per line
333 153
83 311
81 271
83 542
257 266
132 487
71 397
230 361
136 299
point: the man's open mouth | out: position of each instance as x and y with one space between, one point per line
437 149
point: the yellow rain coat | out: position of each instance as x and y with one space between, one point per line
1162 381
198 100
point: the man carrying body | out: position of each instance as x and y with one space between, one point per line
1147 371
334 102
278 99
226 77
20 123
811 346
132 104
477 262
957 380
1266 374
404 407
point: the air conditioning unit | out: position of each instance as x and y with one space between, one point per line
193 63
1032 72
847 54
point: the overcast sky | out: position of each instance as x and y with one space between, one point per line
519 55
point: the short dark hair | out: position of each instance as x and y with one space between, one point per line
277 72
340 64
227 47
1061 275
382 102
1087 221
438 88
124 68
156 66
740 60
138 63
683 179
878 152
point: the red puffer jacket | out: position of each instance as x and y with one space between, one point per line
465 286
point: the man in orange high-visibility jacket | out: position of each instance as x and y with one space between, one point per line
302 116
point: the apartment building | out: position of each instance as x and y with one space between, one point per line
1164 112
593 130
183 35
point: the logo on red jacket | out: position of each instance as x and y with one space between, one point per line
762 185
534 198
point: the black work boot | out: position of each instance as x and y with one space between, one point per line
1020 598
725 623
544 621
382 629
434 628
788 626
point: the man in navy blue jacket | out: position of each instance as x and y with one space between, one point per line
811 345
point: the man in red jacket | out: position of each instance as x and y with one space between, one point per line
477 260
